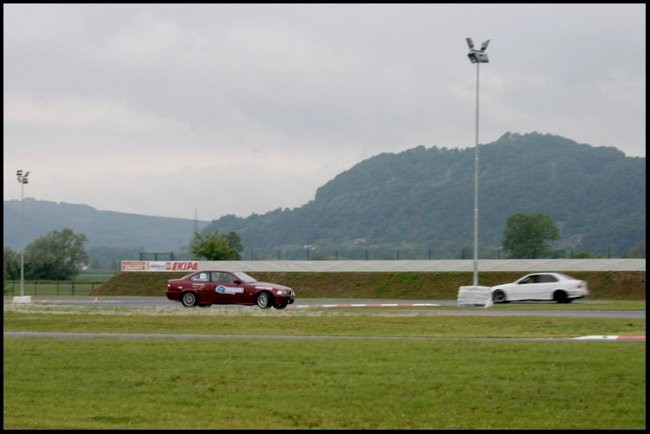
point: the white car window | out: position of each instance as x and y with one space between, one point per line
530 279
547 278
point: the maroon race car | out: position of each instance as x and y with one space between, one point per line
205 288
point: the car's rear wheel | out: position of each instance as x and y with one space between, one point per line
189 299
499 296
279 306
263 300
561 297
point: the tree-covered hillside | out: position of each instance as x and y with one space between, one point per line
413 204
422 199
103 228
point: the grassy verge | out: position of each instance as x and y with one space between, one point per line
312 322
361 384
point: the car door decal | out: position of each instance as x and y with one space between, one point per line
221 289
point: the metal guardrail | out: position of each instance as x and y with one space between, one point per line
50 287
452 265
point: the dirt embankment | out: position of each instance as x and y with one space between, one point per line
611 285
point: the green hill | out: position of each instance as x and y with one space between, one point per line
416 204
103 228
421 201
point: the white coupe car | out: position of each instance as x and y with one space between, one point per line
541 286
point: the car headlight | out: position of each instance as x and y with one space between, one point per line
283 292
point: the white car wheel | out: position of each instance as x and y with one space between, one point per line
499 297
561 297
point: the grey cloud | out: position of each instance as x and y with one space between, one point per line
223 82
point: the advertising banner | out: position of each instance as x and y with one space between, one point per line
160 265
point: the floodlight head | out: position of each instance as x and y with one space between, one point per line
477 56
22 178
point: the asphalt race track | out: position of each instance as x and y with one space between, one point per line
424 307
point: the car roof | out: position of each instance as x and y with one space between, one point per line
552 273
544 272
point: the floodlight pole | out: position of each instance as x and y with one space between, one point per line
477 56
22 179
476 172
22 241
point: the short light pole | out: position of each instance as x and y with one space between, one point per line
478 57
22 179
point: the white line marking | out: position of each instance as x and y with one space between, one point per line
369 305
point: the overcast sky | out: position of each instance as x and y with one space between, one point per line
234 109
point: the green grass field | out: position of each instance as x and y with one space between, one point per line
361 384
433 377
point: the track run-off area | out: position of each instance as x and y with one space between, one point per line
420 307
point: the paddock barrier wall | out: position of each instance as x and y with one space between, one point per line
452 265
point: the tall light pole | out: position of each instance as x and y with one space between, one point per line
478 57
23 179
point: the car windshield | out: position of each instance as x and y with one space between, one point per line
244 277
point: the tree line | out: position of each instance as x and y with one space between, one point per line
61 255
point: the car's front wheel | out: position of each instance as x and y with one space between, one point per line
189 299
499 296
263 300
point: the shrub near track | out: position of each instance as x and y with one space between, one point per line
388 285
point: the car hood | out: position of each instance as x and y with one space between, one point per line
267 285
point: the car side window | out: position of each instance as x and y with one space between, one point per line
229 278
535 278
223 277
547 278
201 277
